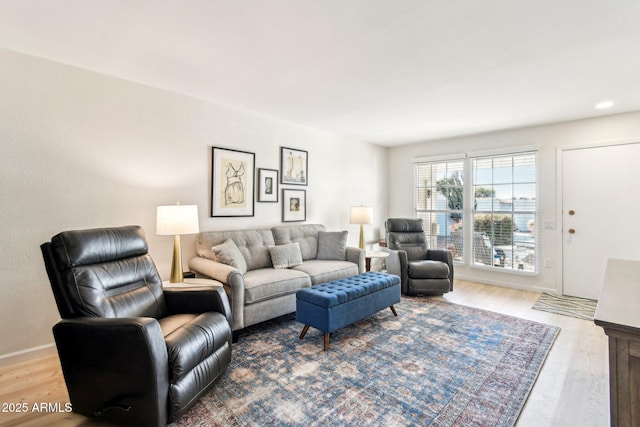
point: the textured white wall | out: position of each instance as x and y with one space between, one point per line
79 150
620 127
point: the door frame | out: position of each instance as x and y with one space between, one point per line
560 191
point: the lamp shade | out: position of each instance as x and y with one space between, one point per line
176 220
361 215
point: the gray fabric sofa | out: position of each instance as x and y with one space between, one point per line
262 270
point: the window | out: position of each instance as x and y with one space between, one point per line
502 220
504 211
440 203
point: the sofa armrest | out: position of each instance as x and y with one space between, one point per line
356 256
397 264
98 351
212 269
232 280
445 256
197 299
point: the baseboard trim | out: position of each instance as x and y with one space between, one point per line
28 354
510 285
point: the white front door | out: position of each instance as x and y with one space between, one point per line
600 213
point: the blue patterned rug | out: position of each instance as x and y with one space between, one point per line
438 364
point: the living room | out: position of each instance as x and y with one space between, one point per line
84 149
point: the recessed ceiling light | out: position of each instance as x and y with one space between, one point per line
604 104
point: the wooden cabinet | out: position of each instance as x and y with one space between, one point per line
618 313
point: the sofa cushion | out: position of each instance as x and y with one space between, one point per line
228 253
285 256
321 271
267 283
306 235
332 245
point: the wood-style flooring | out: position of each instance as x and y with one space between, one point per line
571 390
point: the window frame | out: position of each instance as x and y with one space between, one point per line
422 213
503 253
469 210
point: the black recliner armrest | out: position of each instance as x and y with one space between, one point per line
115 366
445 256
197 299
397 262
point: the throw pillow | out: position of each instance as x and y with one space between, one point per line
285 256
332 245
228 253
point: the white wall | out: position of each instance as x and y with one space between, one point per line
620 127
80 150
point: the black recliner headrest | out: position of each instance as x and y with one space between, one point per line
404 225
84 247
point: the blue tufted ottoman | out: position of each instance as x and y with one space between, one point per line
333 305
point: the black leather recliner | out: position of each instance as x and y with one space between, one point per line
131 351
422 271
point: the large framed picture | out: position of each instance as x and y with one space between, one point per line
294 166
232 182
268 185
294 205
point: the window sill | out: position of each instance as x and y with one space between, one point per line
502 270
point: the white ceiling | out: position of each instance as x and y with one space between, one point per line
383 71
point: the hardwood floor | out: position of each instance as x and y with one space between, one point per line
572 388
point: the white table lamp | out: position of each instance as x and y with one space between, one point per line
361 215
176 220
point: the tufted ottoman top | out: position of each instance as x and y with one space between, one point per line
344 290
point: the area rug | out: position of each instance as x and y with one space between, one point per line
437 364
581 308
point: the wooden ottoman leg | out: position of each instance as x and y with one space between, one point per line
393 310
326 341
304 331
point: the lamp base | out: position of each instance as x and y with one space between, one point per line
361 244
176 262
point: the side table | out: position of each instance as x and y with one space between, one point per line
373 254
190 281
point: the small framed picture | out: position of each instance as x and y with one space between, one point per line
294 166
294 205
267 185
232 182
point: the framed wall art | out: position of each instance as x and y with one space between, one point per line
294 205
232 182
268 185
294 166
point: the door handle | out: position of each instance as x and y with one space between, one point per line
572 231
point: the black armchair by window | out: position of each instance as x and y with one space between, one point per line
422 271
131 351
